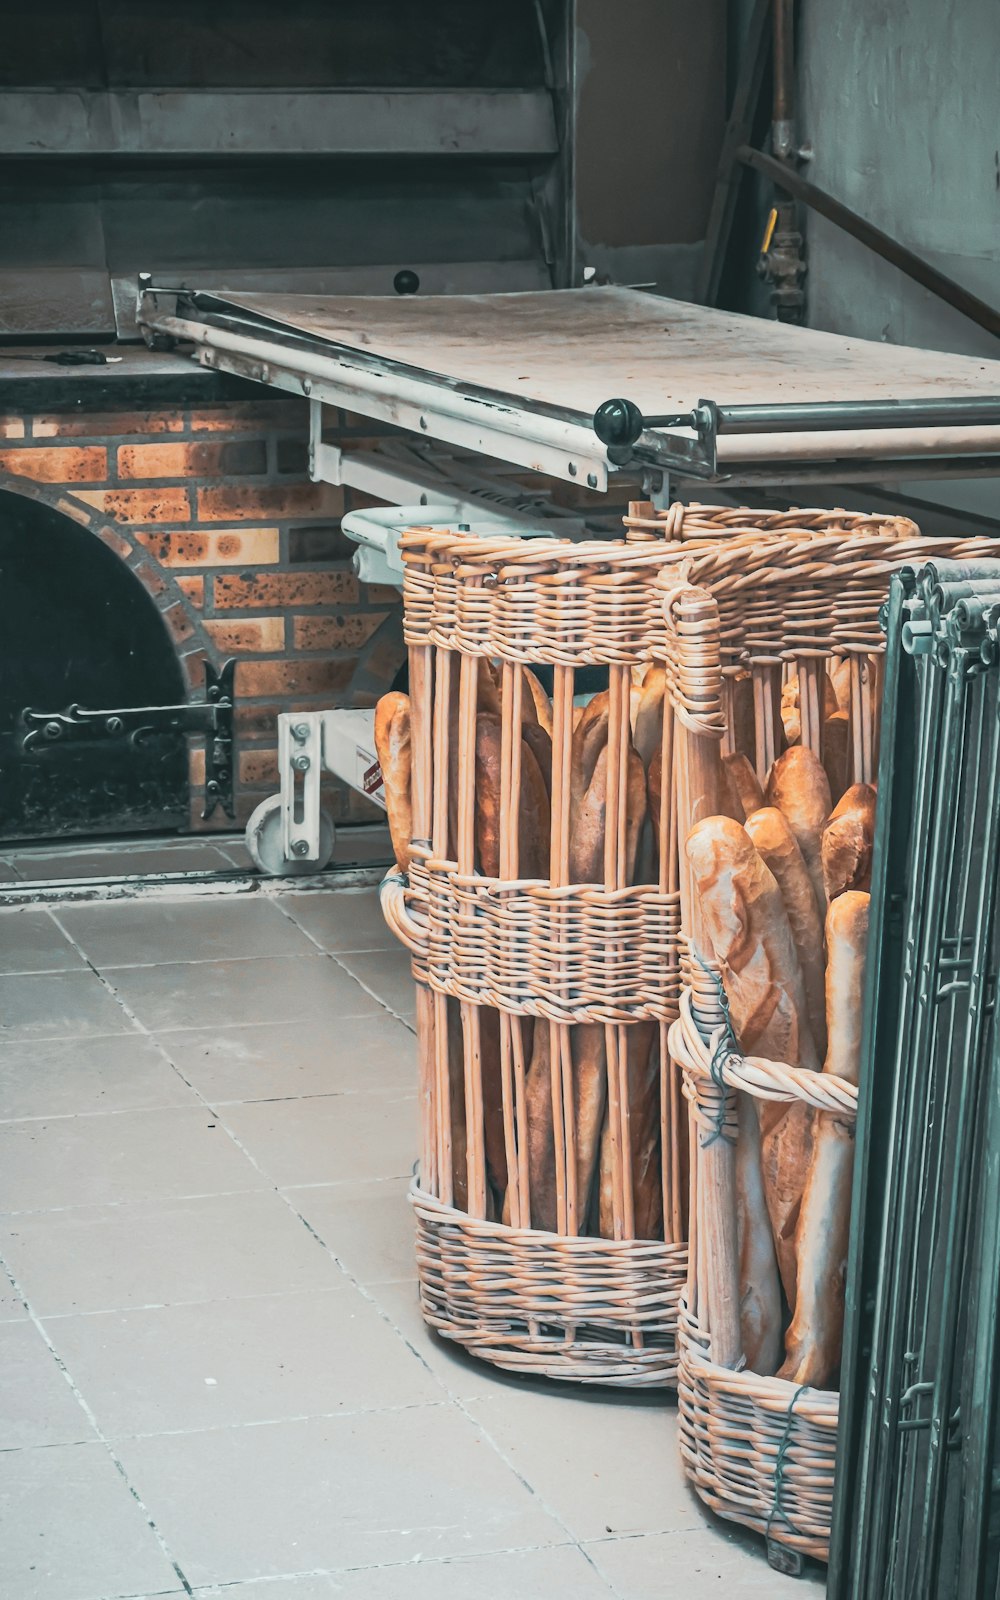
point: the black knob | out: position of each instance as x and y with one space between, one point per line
406 282
618 422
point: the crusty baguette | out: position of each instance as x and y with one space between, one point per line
647 726
741 786
776 846
392 745
587 1040
846 846
751 936
532 805
540 745
837 753
798 786
760 1287
643 1078
536 707
791 716
814 1338
589 738
840 677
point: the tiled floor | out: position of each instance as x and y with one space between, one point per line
214 1378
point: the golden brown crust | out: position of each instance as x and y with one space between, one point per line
790 714
798 786
814 1338
846 846
536 707
643 1076
760 1286
647 728
393 747
741 785
775 844
746 921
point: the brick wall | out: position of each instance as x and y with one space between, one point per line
213 511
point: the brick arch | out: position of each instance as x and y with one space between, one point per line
182 623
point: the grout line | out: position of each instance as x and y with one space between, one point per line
334 957
100 1435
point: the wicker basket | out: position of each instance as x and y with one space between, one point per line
771 596
578 1276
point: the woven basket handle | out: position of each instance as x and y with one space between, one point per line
392 899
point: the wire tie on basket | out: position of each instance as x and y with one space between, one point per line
779 1467
725 1046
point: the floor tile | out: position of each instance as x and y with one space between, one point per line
114 1159
215 993
342 919
463 1375
381 1487
363 845
7 873
56 866
220 928
102 1258
387 974
32 941
68 1077
333 1138
37 1405
12 1307
58 1005
708 1564
578 1451
553 1574
316 1055
231 1362
368 1226
72 1530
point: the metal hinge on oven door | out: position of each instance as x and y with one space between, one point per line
212 717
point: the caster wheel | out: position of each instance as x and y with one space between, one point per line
263 836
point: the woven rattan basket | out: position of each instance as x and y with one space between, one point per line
535 1249
772 595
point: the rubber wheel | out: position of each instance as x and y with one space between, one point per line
263 836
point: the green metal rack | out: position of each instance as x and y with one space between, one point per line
917 1502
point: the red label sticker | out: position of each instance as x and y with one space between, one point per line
372 779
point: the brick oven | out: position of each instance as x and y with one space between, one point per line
209 510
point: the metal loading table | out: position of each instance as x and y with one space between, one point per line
497 396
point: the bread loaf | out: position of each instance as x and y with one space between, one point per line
840 677
837 753
643 1123
798 786
742 789
751 937
760 1289
392 745
533 816
846 846
775 844
791 718
536 707
814 1338
647 727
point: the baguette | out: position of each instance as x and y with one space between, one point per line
846 846
837 753
840 677
798 786
742 790
791 718
751 937
760 1288
392 745
776 846
814 1338
643 1124
536 707
647 726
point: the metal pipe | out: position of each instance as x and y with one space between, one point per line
783 125
945 288
835 415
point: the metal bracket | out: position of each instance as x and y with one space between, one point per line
212 716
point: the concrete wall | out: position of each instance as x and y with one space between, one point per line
900 100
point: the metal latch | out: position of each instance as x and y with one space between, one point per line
212 716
